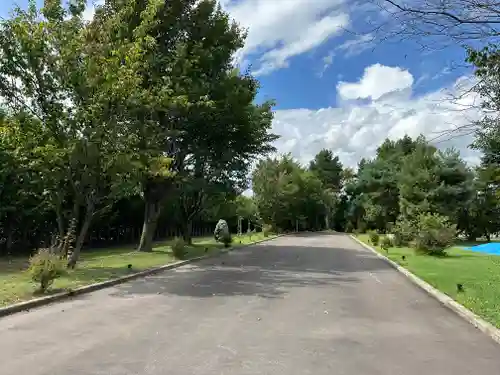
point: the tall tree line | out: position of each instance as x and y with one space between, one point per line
134 119
407 178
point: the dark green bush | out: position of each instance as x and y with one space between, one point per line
374 237
434 234
46 266
178 248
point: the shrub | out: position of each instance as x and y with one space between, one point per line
434 234
357 231
178 248
222 234
266 230
404 233
46 266
386 243
374 237
221 230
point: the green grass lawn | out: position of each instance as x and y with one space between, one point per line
478 273
100 265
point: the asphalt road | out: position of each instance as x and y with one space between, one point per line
304 304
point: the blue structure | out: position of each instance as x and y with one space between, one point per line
492 248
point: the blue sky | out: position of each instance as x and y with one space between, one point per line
317 88
336 85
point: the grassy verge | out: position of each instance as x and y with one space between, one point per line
478 273
102 264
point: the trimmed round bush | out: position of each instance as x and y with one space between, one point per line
221 233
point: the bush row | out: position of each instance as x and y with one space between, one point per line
429 234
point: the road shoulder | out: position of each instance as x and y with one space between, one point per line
448 302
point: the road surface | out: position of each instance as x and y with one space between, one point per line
304 304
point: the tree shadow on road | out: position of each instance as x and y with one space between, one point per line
269 271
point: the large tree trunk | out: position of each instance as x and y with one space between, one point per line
60 221
66 240
187 230
191 205
151 214
75 254
9 243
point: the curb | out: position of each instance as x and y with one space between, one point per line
445 300
42 301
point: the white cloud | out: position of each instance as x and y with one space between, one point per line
377 81
313 37
281 29
354 131
327 62
350 48
359 44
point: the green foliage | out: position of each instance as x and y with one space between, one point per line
481 217
46 266
386 243
404 232
101 112
375 193
178 66
374 237
102 116
328 168
287 195
417 181
178 248
434 234
221 231
406 178
349 228
361 226
246 208
267 230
